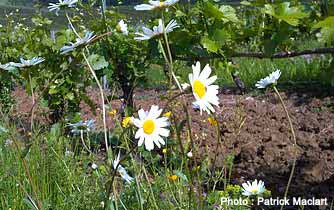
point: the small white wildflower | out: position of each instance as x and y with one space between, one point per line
157 30
61 4
155 5
253 188
204 91
89 36
151 128
69 153
190 154
94 166
271 79
85 126
27 63
121 170
122 27
8 142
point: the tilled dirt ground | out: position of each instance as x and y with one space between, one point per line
256 130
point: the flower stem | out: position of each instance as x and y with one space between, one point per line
102 101
170 59
33 103
294 144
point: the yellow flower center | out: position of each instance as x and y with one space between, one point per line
162 4
254 191
199 88
148 126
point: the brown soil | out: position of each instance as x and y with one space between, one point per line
255 129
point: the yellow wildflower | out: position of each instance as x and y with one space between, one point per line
164 150
167 114
126 121
173 178
212 121
112 113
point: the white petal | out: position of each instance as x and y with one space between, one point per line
142 114
162 122
139 133
137 122
206 72
163 132
196 70
149 145
210 80
154 112
141 141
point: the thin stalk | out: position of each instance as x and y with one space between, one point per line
98 84
294 144
169 52
26 169
149 185
218 143
71 25
33 103
102 100
84 144
171 62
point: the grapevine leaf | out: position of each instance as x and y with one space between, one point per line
210 45
97 62
326 27
283 11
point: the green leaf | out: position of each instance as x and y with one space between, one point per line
97 62
229 14
221 36
213 11
210 45
326 27
283 11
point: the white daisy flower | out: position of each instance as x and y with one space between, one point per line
89 36
27 63
121 170
61 4
122 27
151 128
205 93
253 188
85 126
190 154
157 30
271 79
153 5
94 166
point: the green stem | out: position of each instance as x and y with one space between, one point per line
170 60
98 84
102 101
151 190
294 144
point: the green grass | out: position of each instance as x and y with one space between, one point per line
294 70
62 182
